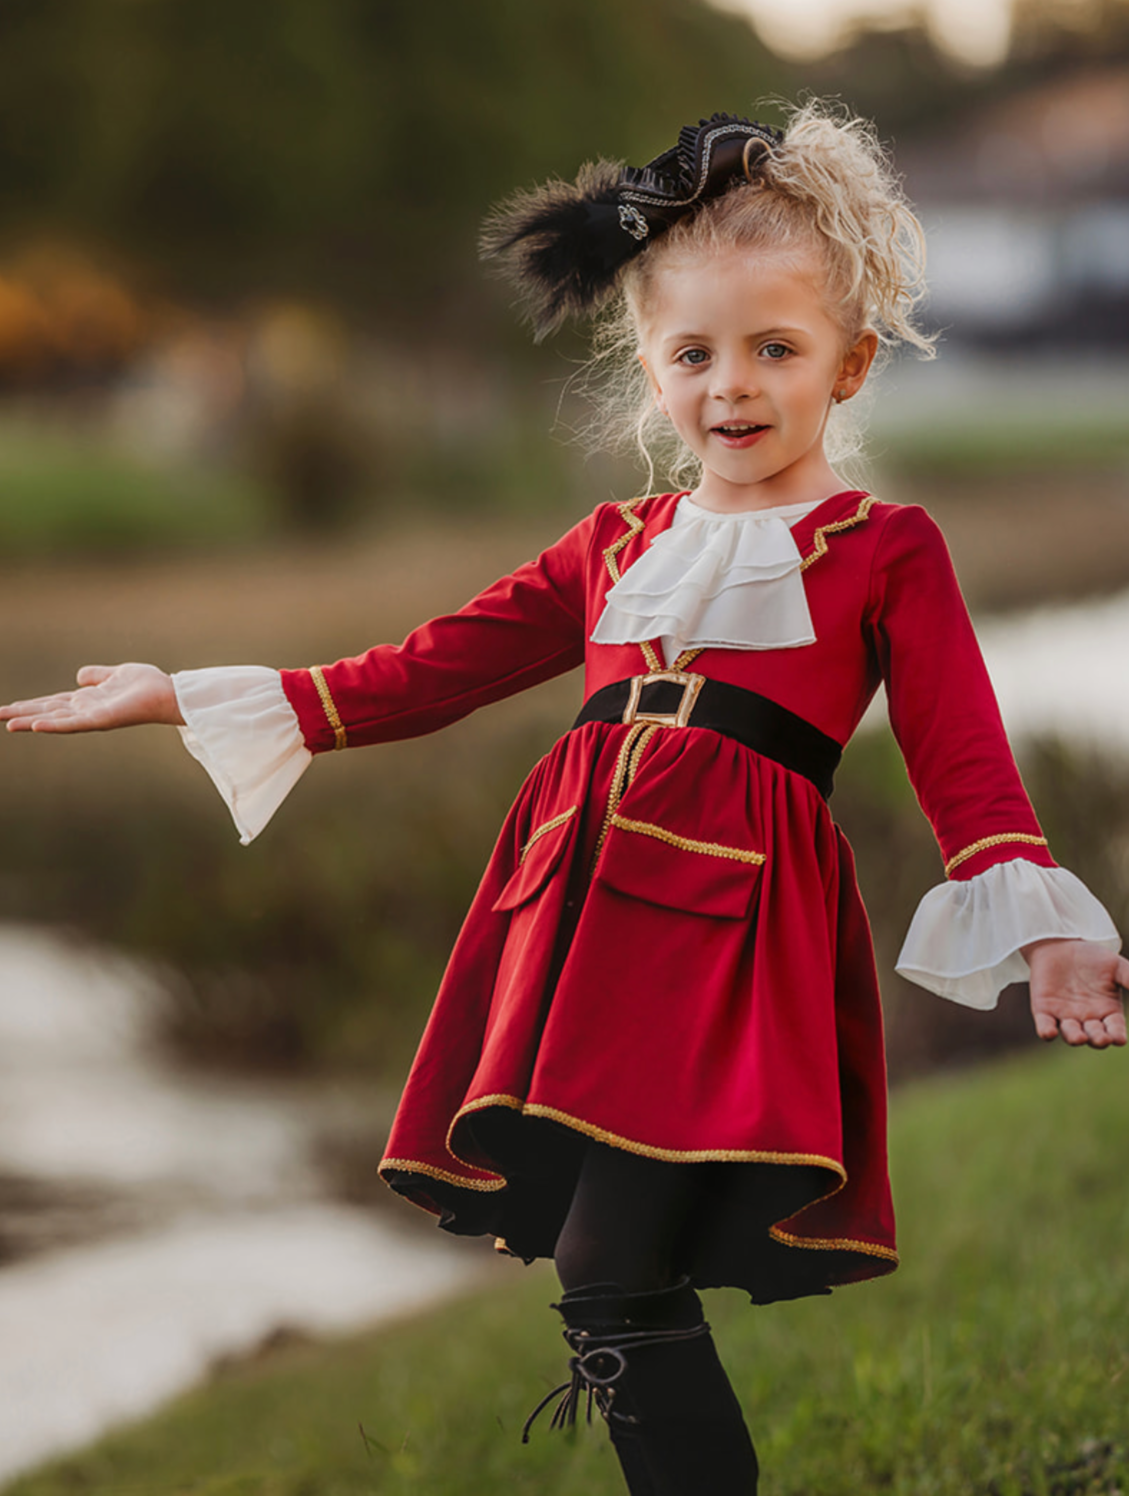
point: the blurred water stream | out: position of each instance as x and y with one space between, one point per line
154 1223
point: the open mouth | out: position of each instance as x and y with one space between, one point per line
738 432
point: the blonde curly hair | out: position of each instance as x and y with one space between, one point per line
829 190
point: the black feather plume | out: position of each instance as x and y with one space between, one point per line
562 244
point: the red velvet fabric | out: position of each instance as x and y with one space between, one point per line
668 950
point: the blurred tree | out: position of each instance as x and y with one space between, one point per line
347 147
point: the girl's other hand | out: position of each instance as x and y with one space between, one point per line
108 696
1076 990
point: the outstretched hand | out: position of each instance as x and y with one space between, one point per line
108 696
1076 989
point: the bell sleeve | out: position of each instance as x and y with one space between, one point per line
241 727
1003 889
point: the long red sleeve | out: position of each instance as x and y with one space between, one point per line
942 706
523 629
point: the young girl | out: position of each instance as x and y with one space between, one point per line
656 1055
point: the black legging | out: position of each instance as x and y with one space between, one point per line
627 1218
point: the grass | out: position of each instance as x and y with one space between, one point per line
992 1364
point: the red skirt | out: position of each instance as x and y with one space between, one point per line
668 953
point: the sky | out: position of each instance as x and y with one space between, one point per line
976 31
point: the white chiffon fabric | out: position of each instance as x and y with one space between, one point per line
714 579
729 579
964 941
241 727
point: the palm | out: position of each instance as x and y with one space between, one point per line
107 697
1076 992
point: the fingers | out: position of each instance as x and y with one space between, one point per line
1098 1033
22 716
1046 1027
94 675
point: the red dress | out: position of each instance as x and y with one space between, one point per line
668 951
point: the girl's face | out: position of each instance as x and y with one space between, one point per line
745 360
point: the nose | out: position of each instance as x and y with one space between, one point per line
734 378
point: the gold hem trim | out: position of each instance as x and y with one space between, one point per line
993 841
340 739
686 843
820 547
833 1244
545 828
409 1166
647 1150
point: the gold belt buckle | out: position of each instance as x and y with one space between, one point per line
691 685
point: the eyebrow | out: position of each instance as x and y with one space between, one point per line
768 332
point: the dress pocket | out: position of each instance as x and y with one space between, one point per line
648 862
539 860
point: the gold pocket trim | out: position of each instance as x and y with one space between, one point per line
687 843
545 828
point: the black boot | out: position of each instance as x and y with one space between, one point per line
648 1362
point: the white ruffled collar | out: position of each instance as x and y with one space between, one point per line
714 579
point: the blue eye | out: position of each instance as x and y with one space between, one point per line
693 356
776 351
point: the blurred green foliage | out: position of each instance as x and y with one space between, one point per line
65 496
243 146
991 1364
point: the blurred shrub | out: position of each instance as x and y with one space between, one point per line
63 495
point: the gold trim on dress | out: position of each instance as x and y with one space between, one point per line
993 841
545 828
638 730
635 527
649 1150
686 843
833 1244
819 538
630 518
409 1166
340 740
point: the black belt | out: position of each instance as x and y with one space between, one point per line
673 698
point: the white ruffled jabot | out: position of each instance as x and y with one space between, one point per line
724 579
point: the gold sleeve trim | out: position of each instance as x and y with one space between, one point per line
992 841
686 843
340 740
409 1166
833 1244
820 537
546 827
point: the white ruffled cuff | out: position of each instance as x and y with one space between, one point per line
966 937
241 727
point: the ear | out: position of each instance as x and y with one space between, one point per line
656 389
856 366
